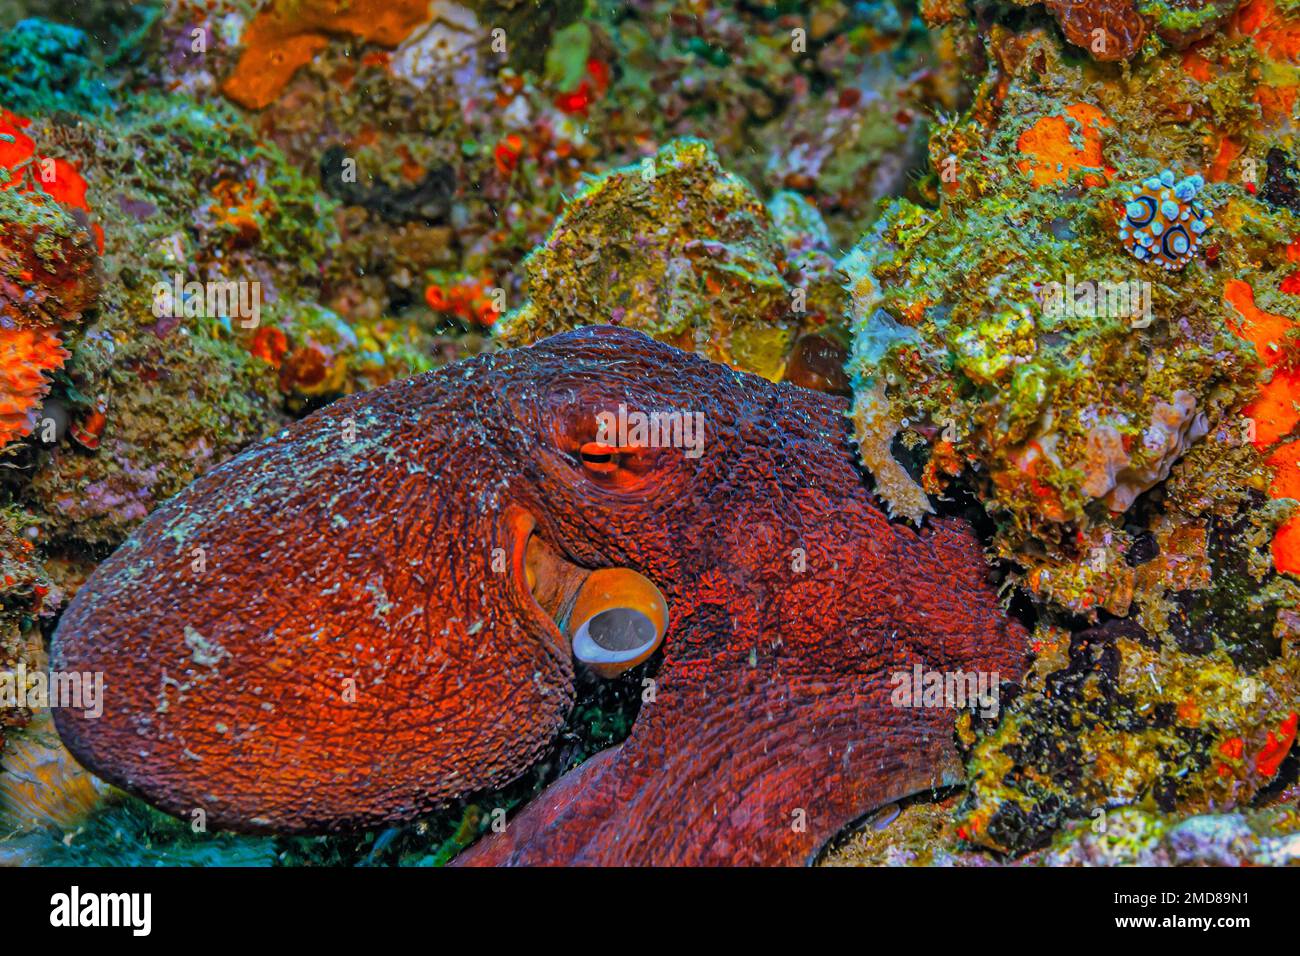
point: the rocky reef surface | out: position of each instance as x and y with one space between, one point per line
1051 251
1088 338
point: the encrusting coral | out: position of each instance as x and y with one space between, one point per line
49 272
1118 419
678 248
288 34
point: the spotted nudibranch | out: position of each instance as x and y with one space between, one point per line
1163 223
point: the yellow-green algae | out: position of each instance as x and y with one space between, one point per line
1020 394
922 835
1066 427
679 248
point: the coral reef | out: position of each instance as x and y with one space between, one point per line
49 272
678 248
1036 363
1117 415
1130 720
463 159
409 183
447 112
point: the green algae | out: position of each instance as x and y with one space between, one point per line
47 66
128 832
682 250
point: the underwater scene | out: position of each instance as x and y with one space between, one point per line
853 433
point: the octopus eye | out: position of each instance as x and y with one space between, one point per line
618 620
599 458
617 466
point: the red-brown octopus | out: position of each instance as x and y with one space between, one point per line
382 608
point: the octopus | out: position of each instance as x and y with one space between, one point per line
384 607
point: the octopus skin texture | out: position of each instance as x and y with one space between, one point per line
346 626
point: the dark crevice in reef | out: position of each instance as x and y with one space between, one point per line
1145 547
960 501
1280 190
1050 766
428 201
1222 613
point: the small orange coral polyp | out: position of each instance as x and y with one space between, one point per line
270 345
1052 153
25 356
1275 750
237 208
507 153
469 300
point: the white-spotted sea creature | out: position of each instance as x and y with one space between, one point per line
1163 223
